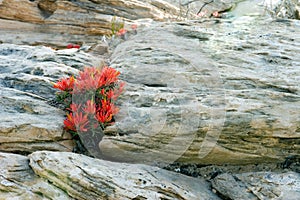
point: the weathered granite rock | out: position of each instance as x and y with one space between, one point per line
258 185
83 177
28 123
206 93
18 181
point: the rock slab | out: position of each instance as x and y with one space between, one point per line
59 22
82 177
258 185
18 181
201 92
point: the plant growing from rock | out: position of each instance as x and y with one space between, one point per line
89 100
116 25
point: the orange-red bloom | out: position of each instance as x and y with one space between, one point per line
70 46
106 111
89 84
103 117
74 107
121 32
76 121
89 72
108 76
113 94
107 106
90 107
88 80
101 108
66 84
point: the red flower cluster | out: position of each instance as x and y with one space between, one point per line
122 32
66 84
70 46
96 90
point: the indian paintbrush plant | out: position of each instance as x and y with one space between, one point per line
89 100
116 25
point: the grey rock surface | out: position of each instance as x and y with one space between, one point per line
209 92
18 181
59 22
258 185
83 177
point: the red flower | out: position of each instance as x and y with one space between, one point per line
102 109
134 26
70 46
113 94
108 76
94 78
88 80
106 111
121 32
103 117
74 107
90 107
90 84
66 84
76 121
89 72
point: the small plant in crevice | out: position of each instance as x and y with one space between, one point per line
118 29
89 101
116 25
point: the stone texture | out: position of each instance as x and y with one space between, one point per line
287 9
28 123
190 8
59 22
208 93
83 177
18 181
258 185
52 21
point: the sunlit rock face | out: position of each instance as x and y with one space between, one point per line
209 93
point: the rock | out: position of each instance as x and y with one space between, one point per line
258 185
83 177
197 97
18 181
286 9
28 123
99 49
190 8
59 22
